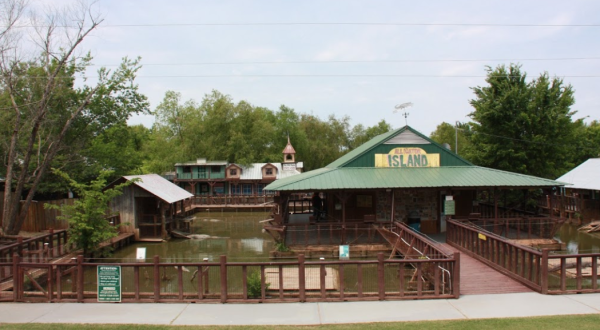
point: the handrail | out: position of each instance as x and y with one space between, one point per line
223 281
529 266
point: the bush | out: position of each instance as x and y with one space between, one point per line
253 284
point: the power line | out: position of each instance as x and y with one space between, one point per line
321 24
527 141
365 61
327 76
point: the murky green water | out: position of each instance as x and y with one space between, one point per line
237 235
577 241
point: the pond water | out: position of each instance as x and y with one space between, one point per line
238 235
578 241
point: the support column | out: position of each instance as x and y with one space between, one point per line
495 204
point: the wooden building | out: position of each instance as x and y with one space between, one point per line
218 178
580 199
400 176
148 207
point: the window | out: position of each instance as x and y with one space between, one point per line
269 171
259 188
247 189
236 189
218 189
187 169
233 171
288 157
215 169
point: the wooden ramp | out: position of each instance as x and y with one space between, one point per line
478 278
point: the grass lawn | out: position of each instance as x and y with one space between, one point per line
579 322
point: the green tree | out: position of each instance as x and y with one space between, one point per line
88 227
447 133
359 134
44 109
522 126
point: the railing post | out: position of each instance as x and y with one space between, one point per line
456 275
16 278
223 260
544 272
301 278
20 246
51 244
380 276
80 278
156 278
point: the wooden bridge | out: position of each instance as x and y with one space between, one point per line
478 278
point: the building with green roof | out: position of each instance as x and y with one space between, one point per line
402 176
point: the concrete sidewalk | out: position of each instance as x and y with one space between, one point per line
467 307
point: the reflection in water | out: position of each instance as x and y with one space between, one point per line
578 241
237 235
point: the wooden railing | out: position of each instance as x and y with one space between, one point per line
519 227
37 249
487 210
232 200
539 270
333 233
423 245
223 281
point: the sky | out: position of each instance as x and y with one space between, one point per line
350 58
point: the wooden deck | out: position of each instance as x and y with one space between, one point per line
478 278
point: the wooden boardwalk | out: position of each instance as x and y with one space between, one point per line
478 278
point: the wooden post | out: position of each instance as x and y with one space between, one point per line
456 277
20 246
544 272
263 286
223 260
136 282
496 205
156 261
51 244
16 278
322 274
301 278
80 278
341 281
380 276
180 282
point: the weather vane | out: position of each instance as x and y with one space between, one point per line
403 107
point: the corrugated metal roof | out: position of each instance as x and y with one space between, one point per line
584 176
382 178
203 163
160 187
254 171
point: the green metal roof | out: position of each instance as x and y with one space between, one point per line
382 178
356 170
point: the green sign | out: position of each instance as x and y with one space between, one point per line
449 207
109 283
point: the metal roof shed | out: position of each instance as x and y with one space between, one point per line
148 206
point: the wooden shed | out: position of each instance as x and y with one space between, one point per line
148 207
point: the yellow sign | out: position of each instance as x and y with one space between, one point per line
407 157
482 237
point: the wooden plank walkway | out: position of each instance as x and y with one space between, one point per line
478 278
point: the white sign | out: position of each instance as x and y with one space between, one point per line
140 254
344 252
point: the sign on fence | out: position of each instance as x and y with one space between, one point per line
344 252
109 283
